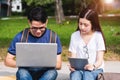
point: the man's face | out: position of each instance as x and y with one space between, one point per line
37 28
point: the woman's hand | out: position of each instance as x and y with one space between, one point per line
89 67
71 68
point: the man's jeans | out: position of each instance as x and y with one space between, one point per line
36 74
85 75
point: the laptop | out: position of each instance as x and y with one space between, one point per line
36 54
78 63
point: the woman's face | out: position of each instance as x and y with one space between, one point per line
37 28
85 26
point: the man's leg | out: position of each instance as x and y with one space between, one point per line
49 75
23 74
76 75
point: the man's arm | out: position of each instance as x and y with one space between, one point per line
59 62
10 60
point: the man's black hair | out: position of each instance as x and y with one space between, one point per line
37 14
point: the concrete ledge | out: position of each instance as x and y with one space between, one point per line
7 73
7 78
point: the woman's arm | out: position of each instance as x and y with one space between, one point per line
98 63
73 56
99 59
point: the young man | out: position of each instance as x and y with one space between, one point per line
38 33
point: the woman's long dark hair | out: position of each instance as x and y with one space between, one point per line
92 16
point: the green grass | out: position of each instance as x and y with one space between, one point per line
110 27
112 11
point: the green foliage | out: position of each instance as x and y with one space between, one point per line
111 29
73 7
112 11
110 26
38 2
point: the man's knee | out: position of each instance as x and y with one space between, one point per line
49 75
23 74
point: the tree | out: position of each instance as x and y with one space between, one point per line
9 8
99 5
58 11
83 4
95 4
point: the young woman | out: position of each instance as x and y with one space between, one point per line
88 42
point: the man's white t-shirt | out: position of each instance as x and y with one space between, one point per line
95 44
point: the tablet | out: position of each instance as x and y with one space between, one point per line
78 63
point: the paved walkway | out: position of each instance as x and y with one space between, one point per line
7 73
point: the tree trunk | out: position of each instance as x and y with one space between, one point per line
101 6
9 8
0 9
83 4
59 12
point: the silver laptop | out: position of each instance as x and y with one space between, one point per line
78 63
36 54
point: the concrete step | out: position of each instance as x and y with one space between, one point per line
7 77
7 73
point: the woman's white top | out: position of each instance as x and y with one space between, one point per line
95 44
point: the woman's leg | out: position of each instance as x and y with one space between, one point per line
76 75
91 75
